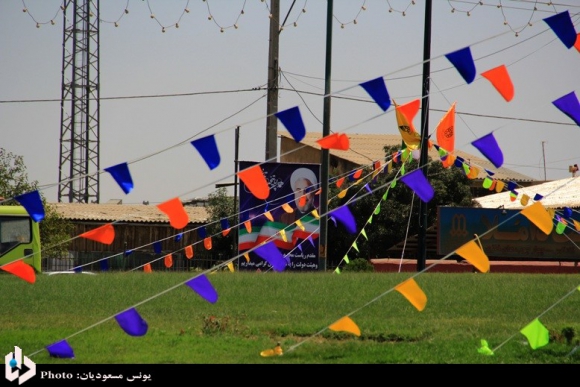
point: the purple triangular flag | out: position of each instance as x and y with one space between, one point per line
344 215
203 287
32 202
463 62
300 247
122 176
207 148
563 27
570 106
270 253
378 91
292 120
369 190
488 146
311 240
132 323
417 181
333 219
157 247
60 349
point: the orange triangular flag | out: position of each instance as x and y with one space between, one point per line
302 201
342 193
473 172
253 178
338 141
226 232
357 174
410 136
207 243
268 215
20 269
247 257
339 182
501 80
345 324
231 266
287 208
173 208
576 224
104 234
446 130
189 251
410 110
168 261
538 215
248 226
147 268
413 293
474 255
577 44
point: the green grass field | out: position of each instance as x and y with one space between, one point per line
256 310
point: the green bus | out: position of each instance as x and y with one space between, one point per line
19 237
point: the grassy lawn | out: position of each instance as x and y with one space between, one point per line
257 310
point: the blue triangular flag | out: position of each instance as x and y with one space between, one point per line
104 265
343 214
128 252
224 223
292 120
132 323
417 181
567 212
204 288
157 247
563 27
378 91
61 349
202 232
178 237
32 202
122 176
489 147
207 148
270 253
570 106
463 62
538 197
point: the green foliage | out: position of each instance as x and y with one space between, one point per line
359 264
221 206
396 205
54 230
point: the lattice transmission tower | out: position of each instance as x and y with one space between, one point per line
80 103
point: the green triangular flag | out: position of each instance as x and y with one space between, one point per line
385 195
393 183
370 219
355 246
346 258
402 169
487 182
560 228
378 209
364 234
537 334
337 270
484 349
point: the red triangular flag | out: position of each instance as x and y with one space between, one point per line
20 269
338 141
173 208
104 234
207 243
189 252
147 268
168 261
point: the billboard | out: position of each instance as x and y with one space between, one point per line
504 234
285 217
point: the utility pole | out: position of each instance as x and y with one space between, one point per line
325 152
544 157
422 251
273 65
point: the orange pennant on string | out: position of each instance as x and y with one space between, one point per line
474 255
247 257
357 174
147 268
337 141
104 234
577 44
413 293
207 243
410 110
302 201
345 324
173 208
473 172
189 252
501 80
538 215
248 226
576 224
226 232
268 215
339 182
446 130
253 178
21 270
168 261
287 208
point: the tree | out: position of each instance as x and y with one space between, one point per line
394 208
54 230
221 206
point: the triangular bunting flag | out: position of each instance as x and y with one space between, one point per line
270 253
345 324
474 255
378 92
147 268
104 234
207 243
189 252
489 147
292 120
463 62
538 215
122 176
207 148
253 178
339 141
563 27
168 261
345 216
32 203
413 293
501 80
202 286
536 333
446 130
173 208
132 323
61 349
570 106
417 181
21 270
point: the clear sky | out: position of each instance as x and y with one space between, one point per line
185 67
